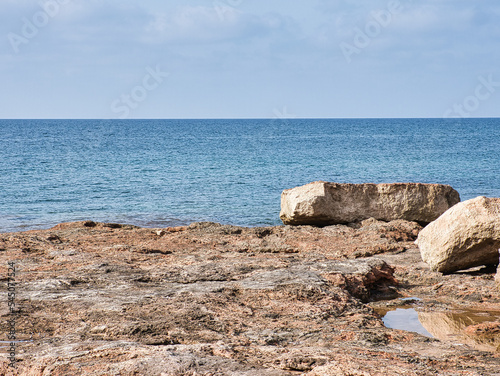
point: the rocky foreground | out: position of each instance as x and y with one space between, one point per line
209 299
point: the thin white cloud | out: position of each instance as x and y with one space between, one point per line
203 24
277 52
421 27
99 25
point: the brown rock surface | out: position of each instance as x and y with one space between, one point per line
209 299
322 203
466 236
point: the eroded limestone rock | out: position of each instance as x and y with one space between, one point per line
467 235
225 300
322 203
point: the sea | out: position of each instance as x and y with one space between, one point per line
159 173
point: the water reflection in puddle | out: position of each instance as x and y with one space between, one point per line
405 319
454 327
458 327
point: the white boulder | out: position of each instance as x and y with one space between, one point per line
465 236
321 203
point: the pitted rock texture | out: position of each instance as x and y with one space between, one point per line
322 203
210 299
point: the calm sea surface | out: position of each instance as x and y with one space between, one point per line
172 172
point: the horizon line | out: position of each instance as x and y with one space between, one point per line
266 118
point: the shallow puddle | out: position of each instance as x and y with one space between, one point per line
456 326
405 319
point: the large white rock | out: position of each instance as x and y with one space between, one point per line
467 235
321 203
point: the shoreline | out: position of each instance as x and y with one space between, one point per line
263 300
151 224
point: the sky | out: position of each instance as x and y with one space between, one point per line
99 59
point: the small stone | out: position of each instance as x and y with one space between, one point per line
113 225
177 229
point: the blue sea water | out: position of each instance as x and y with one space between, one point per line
171 172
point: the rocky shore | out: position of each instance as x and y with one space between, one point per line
211 299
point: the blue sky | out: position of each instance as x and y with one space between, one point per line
249 58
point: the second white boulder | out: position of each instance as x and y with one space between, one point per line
466 235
